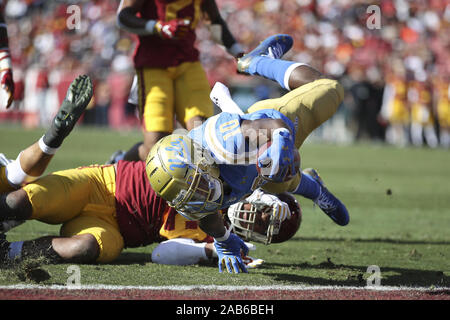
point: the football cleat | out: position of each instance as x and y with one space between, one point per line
116 156
273 47
252 263
76 101
326 201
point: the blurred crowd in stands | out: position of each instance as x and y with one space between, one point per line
396 74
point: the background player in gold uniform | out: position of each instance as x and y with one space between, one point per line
171 81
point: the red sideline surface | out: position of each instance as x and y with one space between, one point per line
208 294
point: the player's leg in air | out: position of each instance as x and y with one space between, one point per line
312 99
15 206
32 162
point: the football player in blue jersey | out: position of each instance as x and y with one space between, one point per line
231 154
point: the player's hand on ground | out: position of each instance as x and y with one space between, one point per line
277 161
173 29
7 86
230 253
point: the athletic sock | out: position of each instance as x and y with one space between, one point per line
274 69
15 174
46 148
308 187
179 251
5 185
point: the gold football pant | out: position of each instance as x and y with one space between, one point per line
83 201
4 184
182 91
307 107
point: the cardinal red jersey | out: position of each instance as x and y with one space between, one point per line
140 212
154 52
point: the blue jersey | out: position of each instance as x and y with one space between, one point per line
222 136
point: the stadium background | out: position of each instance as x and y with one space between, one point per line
411 47
398 197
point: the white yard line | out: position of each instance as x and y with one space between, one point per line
221 288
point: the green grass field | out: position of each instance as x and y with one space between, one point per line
399 203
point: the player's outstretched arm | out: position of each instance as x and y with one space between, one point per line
220 31
228 245
129 21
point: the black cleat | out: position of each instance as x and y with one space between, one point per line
115 157
77 99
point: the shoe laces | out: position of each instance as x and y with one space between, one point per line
275 52
324 202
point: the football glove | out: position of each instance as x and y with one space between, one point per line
173 29
277 161
6 78
229 253
271 204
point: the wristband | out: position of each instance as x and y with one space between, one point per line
224 237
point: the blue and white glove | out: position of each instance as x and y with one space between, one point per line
229 252
270 203
277 162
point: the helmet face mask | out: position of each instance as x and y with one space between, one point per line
201 196
184 174
253 224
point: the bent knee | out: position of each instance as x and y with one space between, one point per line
17 205
82 248
335 90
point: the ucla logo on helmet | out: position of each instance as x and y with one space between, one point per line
179 154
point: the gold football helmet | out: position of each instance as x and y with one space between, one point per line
184 174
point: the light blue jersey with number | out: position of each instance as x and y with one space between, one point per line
222 136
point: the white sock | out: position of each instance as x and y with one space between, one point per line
45 148
221 96
15 174
288 72
180 252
